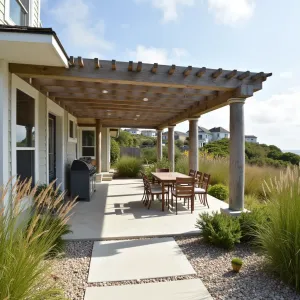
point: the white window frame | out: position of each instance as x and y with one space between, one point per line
18 83
74 120
7 17
81 129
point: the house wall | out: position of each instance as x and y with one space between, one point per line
251 140
2 11
34 13
42 133
222 135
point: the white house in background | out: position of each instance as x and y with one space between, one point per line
251 139
178 135
204 136
133 130
149 133
219 133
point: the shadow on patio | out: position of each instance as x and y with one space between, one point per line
116 212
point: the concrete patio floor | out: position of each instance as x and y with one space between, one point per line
116 212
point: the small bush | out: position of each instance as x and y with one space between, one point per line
219 229
149 155
237 261
219 191
114 151
251 221
129 167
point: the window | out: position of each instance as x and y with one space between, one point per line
200 136
218 135
206 135
72 130
88 143
18 11
25 135
226 135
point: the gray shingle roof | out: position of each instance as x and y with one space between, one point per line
251 136
219 129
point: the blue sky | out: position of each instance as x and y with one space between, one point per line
250 35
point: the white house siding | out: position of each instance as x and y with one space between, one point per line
70 154
2 11
42 132
35 13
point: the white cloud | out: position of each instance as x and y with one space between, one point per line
275 120
157 55
79 29
169 7
231 11
286 74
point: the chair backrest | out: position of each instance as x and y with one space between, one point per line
165 170
199 178
205 181
192 173
185 187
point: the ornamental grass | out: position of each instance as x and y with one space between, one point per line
27 236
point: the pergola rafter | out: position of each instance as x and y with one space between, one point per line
162 95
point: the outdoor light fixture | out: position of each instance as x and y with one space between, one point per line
145 99
104 91
137 115
109 114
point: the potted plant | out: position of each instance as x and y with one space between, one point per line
236 264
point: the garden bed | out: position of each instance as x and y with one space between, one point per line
213 267
212 264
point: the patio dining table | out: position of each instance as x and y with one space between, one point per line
164 178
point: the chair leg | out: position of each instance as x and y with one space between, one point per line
150 200
205 195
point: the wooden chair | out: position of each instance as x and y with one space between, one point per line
198 179
184 188
192 173
152 190
145 179
201 189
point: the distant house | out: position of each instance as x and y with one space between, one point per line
251 139
133 130
219 133
178 135
150 133
204 136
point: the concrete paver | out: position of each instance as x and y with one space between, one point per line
137 259
192 289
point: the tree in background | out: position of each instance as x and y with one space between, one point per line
125 139
179 143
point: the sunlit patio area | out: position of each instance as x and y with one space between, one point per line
117 212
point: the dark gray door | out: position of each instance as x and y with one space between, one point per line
52 147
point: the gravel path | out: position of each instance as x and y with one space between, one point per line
72 270
213 266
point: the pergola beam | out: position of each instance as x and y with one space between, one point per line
121 75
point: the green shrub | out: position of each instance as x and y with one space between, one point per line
219 229
24 272
129 167
251 221
149 155
279 239
162 164
237 261
219 191
114 151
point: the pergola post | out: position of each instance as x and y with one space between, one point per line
98 144
171 146
159 145
193 144
237 156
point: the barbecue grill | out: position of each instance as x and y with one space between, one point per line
83 179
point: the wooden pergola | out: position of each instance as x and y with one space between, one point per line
126 94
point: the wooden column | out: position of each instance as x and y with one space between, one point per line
98 145
237 155
171 146
159 145
193 144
